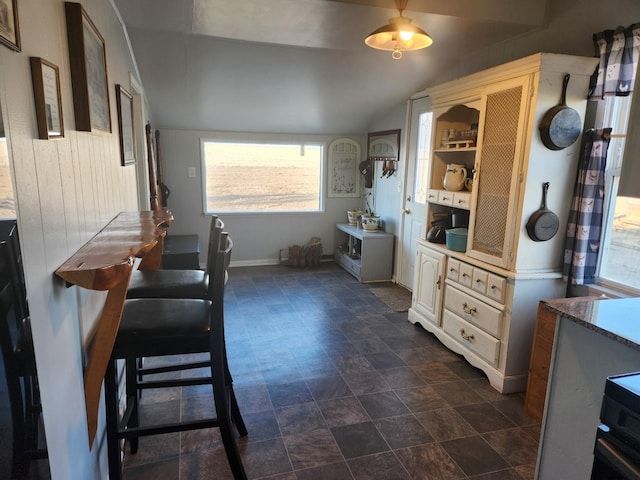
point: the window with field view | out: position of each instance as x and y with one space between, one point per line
261 177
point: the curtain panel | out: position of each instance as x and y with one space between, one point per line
582 243
619 51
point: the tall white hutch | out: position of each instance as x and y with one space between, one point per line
482 303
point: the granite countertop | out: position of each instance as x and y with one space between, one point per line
618 319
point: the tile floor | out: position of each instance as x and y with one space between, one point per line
334 385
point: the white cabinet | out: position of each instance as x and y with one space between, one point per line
429 279
368 256
491 292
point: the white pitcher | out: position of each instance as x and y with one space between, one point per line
454 177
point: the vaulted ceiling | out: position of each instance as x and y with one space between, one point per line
300 66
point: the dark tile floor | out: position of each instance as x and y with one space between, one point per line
334 385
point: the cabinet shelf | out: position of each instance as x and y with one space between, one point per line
368 256
455 149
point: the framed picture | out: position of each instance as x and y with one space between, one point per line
9 28
124 102
88 71
46 92
344 177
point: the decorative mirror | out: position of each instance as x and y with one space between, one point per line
382 147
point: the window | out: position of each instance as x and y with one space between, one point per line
422 157
619 262
261 177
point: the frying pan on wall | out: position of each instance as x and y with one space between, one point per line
543 223
561 125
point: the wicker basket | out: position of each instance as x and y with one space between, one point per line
302 256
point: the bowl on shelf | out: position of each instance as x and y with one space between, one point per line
370 223
353 216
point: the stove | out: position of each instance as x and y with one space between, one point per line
617 448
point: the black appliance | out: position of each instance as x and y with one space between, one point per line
617 449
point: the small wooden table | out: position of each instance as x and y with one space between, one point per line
105 263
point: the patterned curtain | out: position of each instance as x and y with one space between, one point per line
619 51
582 244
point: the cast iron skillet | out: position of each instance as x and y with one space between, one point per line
561 125
543 223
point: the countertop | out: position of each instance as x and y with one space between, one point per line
617 319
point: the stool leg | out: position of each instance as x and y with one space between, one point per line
111 409
132 398
236 416
222 400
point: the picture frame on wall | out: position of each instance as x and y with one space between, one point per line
124 102
46 92
9 27
88 59
344 177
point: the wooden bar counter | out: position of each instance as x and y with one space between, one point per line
105 263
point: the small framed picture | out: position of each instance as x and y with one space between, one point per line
9 28
46 92
88 71
124 102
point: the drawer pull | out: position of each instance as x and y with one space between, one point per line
445 199
452 269
466 336
493 287
465 275
469 310
478 281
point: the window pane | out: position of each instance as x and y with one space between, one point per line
621 258
245 177
422 157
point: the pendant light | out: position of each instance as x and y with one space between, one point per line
399 35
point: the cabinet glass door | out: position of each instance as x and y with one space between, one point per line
495 188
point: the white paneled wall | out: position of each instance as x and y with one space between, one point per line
66 190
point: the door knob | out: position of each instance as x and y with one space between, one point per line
406 210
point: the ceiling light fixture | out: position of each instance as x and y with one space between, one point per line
399 35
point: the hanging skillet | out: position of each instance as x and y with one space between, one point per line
543 223
561 125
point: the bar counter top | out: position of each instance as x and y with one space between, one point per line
617 319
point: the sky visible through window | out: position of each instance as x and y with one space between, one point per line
246 177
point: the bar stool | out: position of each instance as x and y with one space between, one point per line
178 283
18 358
166 326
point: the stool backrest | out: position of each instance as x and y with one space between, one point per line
15 329
218 278
215 229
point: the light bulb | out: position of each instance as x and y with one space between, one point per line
406 35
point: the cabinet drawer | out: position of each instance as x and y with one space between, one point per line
348 263
479 280
466 274
496 286
462 200
432 195
472 310
445 197
453 269
484 345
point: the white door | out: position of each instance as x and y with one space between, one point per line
420 119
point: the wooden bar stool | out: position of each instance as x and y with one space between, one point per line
166 326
